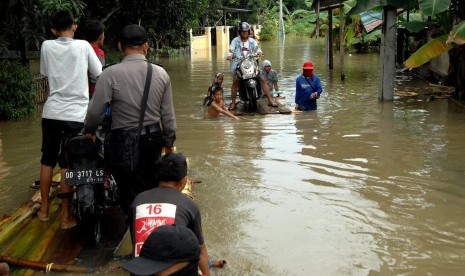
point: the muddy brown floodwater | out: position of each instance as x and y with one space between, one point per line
357 187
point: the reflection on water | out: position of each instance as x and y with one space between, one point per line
357 187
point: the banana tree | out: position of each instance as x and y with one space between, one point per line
437 46
445 12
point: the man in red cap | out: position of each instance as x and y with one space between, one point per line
307 88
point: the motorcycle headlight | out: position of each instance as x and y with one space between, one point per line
251 83
246 64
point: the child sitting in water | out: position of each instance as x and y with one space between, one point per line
216 105
217 83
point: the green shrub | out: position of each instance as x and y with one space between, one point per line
269 30
112 56
17 91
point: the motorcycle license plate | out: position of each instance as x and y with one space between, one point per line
79 177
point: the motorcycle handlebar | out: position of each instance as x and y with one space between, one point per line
242 58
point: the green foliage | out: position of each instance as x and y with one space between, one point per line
112 56
17 91
429 7
428 51
25 23
50 7
167 22
165 51
372 37
269 28
414 26
301 22
457 35
413 16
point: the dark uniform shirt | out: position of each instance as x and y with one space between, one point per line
123 85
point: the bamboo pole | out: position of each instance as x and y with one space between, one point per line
47 267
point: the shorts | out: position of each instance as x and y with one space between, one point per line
54 136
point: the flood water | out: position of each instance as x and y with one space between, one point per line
357 187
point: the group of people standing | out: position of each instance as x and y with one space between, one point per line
149 192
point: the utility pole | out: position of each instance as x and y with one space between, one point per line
281 33
388 54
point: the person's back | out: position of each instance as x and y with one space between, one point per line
65 62
166 205
94 34
123 86
130 75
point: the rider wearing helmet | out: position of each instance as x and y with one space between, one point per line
239 46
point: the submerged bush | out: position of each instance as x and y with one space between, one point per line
17 91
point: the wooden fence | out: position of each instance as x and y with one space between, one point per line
41 88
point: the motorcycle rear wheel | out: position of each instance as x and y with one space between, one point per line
91 227
90 211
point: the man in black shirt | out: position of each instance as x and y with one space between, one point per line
166 205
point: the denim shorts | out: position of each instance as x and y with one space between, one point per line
54 136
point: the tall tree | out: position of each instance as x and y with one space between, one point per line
26 22
166 21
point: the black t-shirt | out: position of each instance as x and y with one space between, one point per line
161 206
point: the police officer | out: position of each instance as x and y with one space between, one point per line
122 85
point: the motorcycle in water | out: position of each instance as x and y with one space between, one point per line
249 79
94 189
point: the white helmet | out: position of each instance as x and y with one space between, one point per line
266 63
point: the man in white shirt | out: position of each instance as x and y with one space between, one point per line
65 62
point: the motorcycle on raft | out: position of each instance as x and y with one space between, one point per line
249 79
93 188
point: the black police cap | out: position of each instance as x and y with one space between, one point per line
133 35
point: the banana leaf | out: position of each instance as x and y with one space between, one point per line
432 7
457 35
414 26
430 50
366 5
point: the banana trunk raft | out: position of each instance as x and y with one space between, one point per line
263 108
30 245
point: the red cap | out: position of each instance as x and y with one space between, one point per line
308 65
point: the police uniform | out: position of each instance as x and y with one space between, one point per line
122 85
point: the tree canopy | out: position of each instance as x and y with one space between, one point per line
25 23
